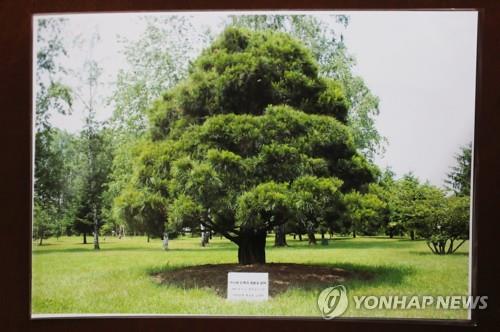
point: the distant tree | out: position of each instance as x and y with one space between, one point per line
413 202
95 146
52 97
144 202
156 61
387 190
406 197
89 215
445 220
365 213
44 223
459 177
249 123
67 146
56 214
317 202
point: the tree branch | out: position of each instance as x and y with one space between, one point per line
226 234
459 245
427 242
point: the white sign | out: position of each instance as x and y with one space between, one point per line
247 286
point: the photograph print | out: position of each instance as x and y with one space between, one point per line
271 163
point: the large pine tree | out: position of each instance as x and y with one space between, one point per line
252 128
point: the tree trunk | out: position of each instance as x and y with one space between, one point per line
96 240
312 238
280 236
96 231
148 237
84 238
322 235
354 233
165 241
41 239
204 236
300 237
252 248
450 248
412 235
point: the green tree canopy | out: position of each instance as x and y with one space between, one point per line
328 49
252 121
460 175
444 221
52 97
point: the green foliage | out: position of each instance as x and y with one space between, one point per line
52 183
409 199
238 152
52 95
458 217
156 61
446 223
256 117
57 180
90 214
365 212
119 184
270 68
263 207
334 62
43 223
49 180
126 207
184 212
96 147
141 197
460 176
317 202
426 211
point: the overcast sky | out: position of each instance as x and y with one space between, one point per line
420 64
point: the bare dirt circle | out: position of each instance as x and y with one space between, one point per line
282 276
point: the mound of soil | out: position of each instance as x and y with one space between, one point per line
282 276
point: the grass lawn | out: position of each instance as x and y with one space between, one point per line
69 277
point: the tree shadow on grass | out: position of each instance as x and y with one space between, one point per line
429 253
90 249
376 275
343 243
282 276
37 245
